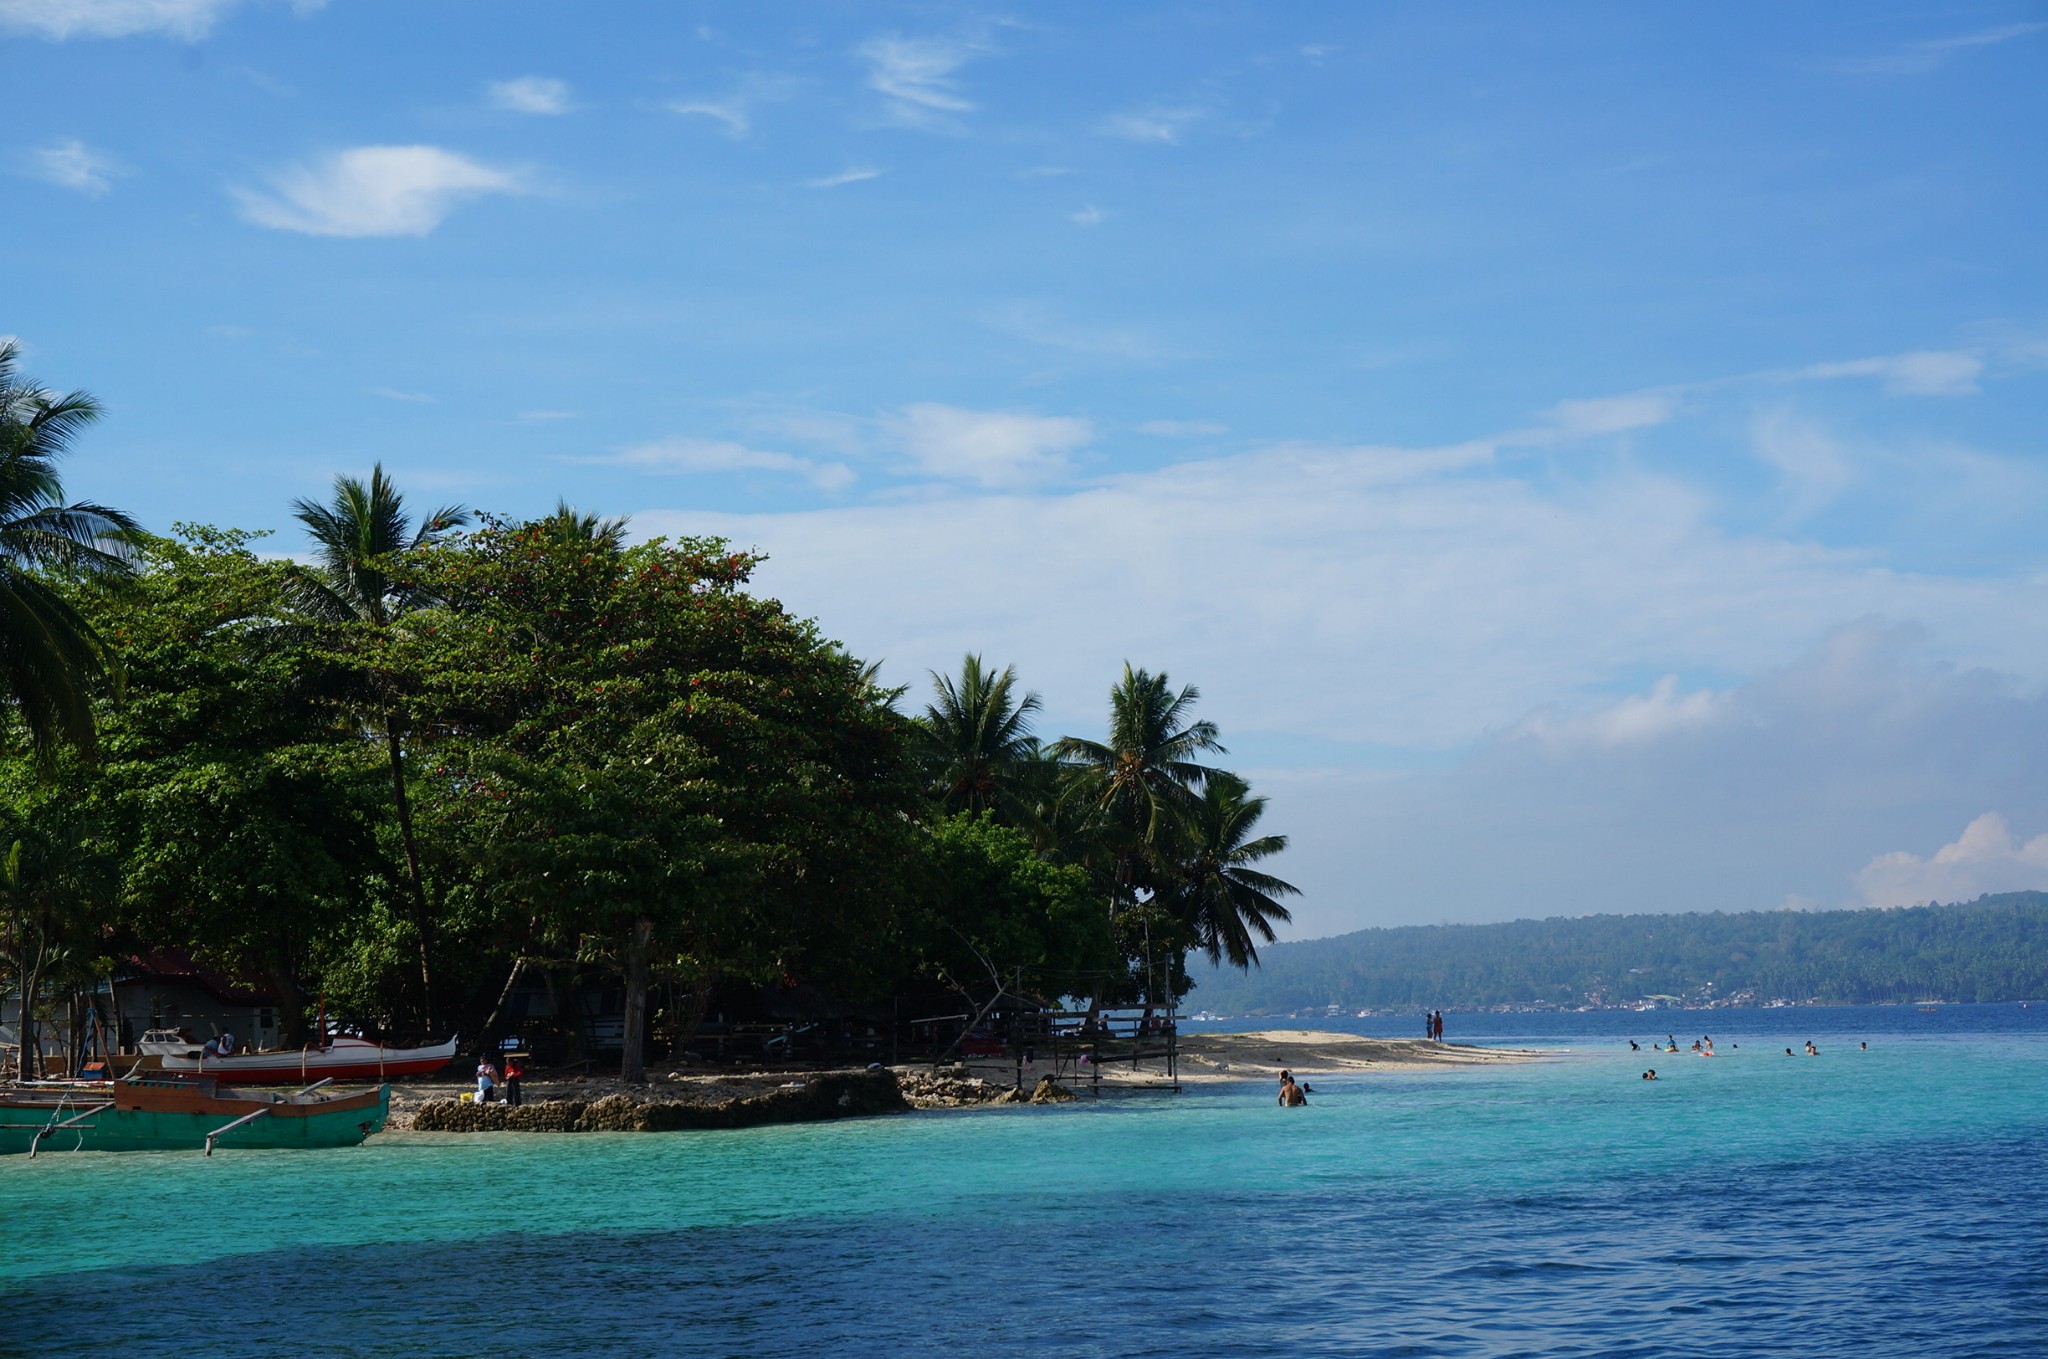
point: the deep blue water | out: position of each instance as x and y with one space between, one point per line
1888 1202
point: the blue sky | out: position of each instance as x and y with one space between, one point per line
1533 428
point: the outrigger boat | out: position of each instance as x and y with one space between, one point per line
162 1111
342 1058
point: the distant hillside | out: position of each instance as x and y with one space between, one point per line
1991 949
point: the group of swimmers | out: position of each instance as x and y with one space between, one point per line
1704 1046
1293 1094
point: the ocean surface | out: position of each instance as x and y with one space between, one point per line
1883 1203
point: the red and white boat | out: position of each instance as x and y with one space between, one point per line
342 1058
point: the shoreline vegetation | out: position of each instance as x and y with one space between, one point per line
559 792
1991 950
679 1100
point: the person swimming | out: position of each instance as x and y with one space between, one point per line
1633 1046
1651 1074
1811 1050
1292 1096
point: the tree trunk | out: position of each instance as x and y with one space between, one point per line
632 1062
31 1031
490 1029
291 1009
24 1066
415 883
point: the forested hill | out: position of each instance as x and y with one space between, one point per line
1991 949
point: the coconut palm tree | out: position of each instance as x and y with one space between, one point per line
978 742
566 525
50 658
359 536
1145 775
1216 892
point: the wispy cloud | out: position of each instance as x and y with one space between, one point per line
1157 124
536 417
854 175
916 76
393 394
62 19
1088 216
1183 429
1590 417
74 165
1921 57
1813 465
532 94
679 456
373 191
995 449
1930 372
731 114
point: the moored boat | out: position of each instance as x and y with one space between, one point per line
342 1058
161 1111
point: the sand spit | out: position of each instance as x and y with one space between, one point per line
1271 1051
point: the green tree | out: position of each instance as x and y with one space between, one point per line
51 661
1142 779
662 769
361 537
975 737
1216 892
238 814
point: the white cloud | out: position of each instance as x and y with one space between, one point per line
1813 464
531 94
1608 414
393 394
677 456
1633 720
1984 858
987 448
61 19
1087 217
854 175
731 114
373 191
916 76
1924 373
1162 125
74 165
1919 58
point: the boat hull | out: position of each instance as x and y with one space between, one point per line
183 1125
346 1060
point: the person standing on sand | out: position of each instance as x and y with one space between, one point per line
486 1080
515 1072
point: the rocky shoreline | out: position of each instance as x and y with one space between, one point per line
683 1104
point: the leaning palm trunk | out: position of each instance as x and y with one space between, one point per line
415 884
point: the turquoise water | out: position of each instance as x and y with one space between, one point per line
1879 1203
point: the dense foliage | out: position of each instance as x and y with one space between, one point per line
1991 949
443 755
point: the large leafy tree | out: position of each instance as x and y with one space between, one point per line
976 741
361 536
51 660
1217 892
242 815
659 768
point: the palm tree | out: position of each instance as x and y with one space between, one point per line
1143 778
567 526
50 658
977 738
1217 893
359 535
